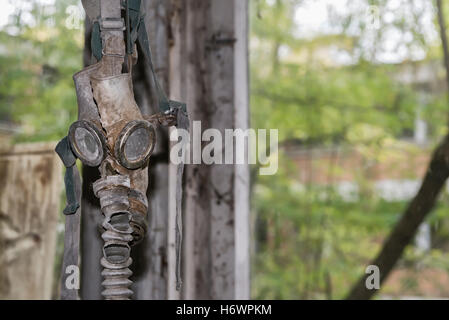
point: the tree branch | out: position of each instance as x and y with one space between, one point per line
405 229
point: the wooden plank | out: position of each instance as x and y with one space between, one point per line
71 256
210 53
150 257
30 192
91 216
176 76
242 172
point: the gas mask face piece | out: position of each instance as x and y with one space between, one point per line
132 149
113 124
112 135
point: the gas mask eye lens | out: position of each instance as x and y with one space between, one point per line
135 144
87 143
138 141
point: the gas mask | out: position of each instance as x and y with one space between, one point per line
112 134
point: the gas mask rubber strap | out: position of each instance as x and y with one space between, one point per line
69 159
142 39
70 263
139 34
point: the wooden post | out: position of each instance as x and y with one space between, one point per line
242 173
150 257
91 242
30 191
210 72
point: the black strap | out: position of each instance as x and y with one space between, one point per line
68 158
142 40
139 33
95 41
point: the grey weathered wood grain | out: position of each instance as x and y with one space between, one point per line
30 192
209 55
91 242
150 257
71 256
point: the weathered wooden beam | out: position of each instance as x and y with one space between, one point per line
30 193
150 257
210 72
91 242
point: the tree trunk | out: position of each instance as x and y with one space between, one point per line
407 226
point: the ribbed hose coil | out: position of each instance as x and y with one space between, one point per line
113 194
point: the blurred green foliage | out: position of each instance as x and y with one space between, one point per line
39 54
311 243
40 49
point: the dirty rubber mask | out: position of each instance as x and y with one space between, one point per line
112 134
